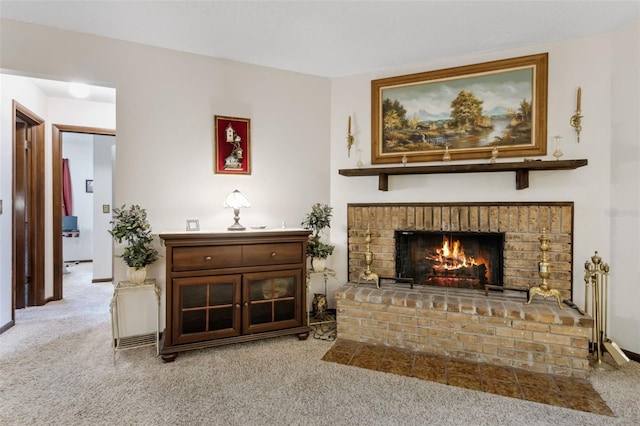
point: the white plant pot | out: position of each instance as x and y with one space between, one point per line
318 264
137 275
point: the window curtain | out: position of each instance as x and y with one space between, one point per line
67 202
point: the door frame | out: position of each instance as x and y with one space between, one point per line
56 179
34 195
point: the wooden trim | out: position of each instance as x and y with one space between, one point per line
7 326
56 171
56 228
632 355
38 204
522 169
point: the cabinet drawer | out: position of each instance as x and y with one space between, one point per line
210 257
272 254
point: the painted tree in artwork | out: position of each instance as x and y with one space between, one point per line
466 108
525 109
394 115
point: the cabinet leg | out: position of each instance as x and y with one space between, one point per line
303 336
169 357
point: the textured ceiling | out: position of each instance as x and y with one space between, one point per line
331 38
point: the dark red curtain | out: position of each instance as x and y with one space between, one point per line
67 202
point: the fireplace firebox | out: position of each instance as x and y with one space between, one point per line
450 259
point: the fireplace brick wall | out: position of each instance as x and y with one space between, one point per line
522 223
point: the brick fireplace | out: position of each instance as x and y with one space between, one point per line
521 223
497 328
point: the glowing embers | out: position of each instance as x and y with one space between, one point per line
450 259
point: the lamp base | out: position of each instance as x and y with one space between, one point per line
236 227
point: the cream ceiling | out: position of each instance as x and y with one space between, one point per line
331 38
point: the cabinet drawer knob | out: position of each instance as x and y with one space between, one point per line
273 254
207 258
237 306
246 304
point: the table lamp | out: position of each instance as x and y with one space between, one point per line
235 200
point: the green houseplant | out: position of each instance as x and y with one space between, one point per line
317 220
130 225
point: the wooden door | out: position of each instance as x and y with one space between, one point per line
22 275
206 308
271 300
27 270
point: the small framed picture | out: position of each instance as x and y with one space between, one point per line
88 185
232 145
193 225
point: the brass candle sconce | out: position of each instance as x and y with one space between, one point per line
576 119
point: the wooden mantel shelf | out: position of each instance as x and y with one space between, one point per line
521 168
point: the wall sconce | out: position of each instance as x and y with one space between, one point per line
576 119
236 200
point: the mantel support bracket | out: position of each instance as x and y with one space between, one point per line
383 182
522 179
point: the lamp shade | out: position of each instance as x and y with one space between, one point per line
236 199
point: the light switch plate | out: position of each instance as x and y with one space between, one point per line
0 206
106 208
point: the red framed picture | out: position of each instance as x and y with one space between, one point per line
232 145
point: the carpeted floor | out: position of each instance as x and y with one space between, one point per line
56 368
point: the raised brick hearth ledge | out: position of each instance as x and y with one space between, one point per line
465 324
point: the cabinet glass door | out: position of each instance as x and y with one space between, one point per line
208 308
271 300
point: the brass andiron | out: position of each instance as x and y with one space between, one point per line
576 119
596 274
367 274
544 270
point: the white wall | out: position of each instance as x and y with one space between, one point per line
165 105
589 62
624 210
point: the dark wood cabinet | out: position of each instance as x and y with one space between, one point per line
230 287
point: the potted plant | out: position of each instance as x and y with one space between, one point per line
131 226
318 219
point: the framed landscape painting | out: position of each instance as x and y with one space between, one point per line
466 111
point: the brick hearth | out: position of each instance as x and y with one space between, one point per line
497 329
466 324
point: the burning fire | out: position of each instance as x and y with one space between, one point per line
452 257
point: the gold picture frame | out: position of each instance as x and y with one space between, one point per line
464 111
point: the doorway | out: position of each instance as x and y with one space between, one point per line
27 277
56 153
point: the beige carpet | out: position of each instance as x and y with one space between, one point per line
56 369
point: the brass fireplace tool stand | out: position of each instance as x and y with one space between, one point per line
596 274
544 270
367 274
